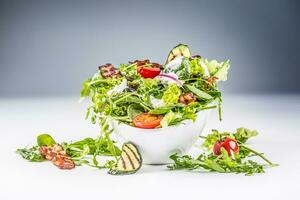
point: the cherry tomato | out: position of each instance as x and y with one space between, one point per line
147 121
217 148
229 144
148 72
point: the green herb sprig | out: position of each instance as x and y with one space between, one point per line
223 163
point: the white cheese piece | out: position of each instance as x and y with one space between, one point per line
174 64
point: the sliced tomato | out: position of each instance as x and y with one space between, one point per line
231 146
147 121
148 72
217 148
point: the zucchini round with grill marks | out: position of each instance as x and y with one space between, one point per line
129 162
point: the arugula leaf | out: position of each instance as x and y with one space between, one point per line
222 164
184 162
133 110
165 109
79 148
85 91
129 70
31 154
200 94
213 165
237 163
241 135
128 98
106 131
160 110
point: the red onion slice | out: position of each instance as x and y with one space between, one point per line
170 77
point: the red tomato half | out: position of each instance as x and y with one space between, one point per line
148 72
147 121
230 145
217 148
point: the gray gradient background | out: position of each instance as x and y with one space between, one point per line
49 47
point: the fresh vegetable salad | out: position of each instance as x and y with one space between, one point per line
149 95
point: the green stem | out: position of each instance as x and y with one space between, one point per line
128 66
144 106
252 151
97 81
124 97
193 79
123 118
208 107
258 154
220 109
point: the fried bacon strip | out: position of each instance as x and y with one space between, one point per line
146 62
109 71
187 98
212 79
57 156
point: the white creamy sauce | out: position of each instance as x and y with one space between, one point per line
118 88
156 102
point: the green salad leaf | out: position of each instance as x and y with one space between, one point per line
170 118
224 163
123 96
171 95
243 134
133 110
217 69
31 154
200 94
45 140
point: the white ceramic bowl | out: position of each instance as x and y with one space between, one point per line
156 145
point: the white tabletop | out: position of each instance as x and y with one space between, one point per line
277 118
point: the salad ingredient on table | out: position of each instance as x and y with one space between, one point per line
168 94
149 95
129 162
67 155
225 152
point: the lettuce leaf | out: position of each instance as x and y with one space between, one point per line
219 70
195 67
189 68
171 95
169 118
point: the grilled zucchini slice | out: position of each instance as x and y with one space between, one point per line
179 50
129 162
